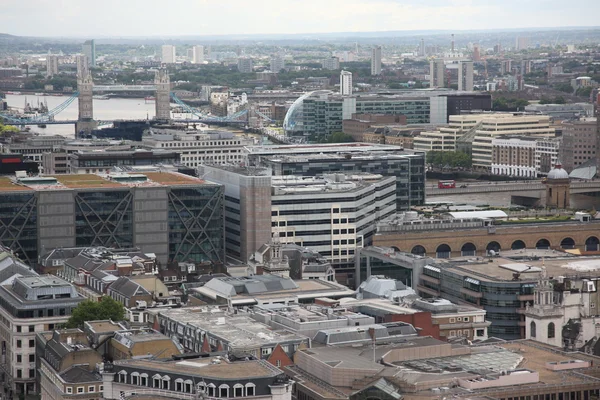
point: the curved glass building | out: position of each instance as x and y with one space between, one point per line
293 123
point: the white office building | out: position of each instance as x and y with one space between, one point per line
346 83
199 147
168 54
197 54
376 60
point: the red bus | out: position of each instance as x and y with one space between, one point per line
446 184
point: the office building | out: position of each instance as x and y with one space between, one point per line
218 330
89 50
197 54
155 211
190 378
33 148
247 207
376 60
407 166
91 162
277 63
266 289
445 138
30 303
437 73
523 156
245 65
346 83
198 147
83 64
51 65
168 54
465 76
579 143
331 63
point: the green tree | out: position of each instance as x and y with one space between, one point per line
89 310
340 137
7 128
449 159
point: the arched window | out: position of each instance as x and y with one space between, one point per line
532 327
250 389
224 391
238 390
592 244
542 244
135 378
567 243
187 386
468 249
211 388
551 330
517 245
123 376
200 387
179 385
418 250
156 380
144 379
443 251
166 382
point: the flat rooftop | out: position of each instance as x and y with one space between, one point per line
528 262
203 368
104 326
319 148
97 181
237 329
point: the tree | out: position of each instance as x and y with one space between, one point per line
7 128
89 310
451 159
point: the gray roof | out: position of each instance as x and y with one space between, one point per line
10 266
128 288
78 374
316 268
228 286
361 333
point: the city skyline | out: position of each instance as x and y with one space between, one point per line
136 18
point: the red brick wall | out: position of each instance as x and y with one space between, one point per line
421 320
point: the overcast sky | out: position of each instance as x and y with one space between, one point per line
113 18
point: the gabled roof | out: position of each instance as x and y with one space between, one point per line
128 288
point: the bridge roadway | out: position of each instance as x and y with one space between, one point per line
517 186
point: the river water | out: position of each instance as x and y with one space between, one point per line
104 110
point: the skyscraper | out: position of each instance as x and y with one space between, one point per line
168 54
197 54
422 48
51 65
346 83
465 75
89 49
437 70
277 63
376 60
476 52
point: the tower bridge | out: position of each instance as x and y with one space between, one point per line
84 95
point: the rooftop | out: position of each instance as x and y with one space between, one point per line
213 367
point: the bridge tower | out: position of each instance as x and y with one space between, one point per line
163 91
85 87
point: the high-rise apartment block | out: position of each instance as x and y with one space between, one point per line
245 65
522 43
168 54
51 65
346 83
277 63
465 75
422 48
476 52
197 54
89 49
376 60
331 63
437 73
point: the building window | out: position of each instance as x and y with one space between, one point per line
80 390
18 328
69 390
101 388
32 358
466 319
224 391
249 389
91 389
31 343
551 330
19 345
238 390
32 373
532 327
480 332
278 363
31 328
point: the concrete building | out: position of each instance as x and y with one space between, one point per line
83 64
118 210
346 83
30 303
92 162
465 76
389 162
89 50
33 148
190 378
247 207
579 143
168 55
445 138
376 60
523 156
276 63
331 63
572 111
245 65
199 147
206 329
197 54
51 65
360 123
522 43
437 73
